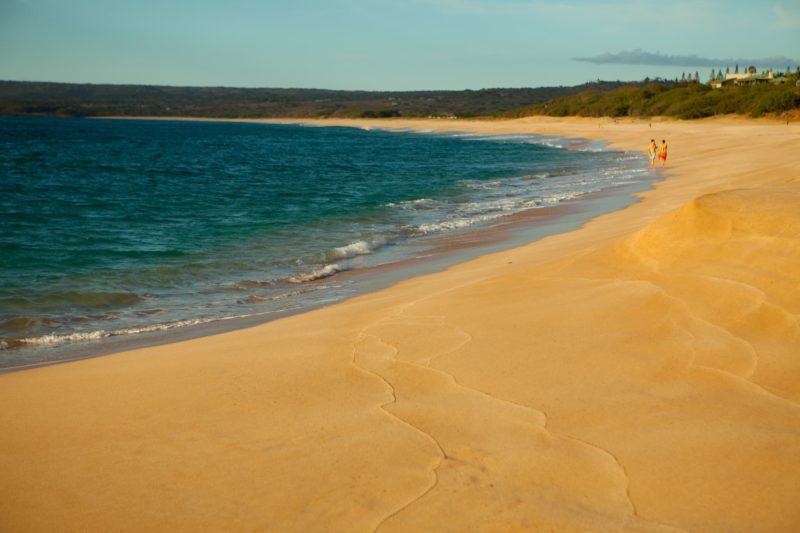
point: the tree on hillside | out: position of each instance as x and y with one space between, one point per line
713 75
696 77
683 76
727 70
737 69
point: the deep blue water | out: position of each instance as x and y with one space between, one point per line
111 228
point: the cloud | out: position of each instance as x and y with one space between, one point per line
640 57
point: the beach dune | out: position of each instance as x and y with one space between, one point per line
641 373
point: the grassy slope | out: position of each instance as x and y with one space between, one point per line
686 100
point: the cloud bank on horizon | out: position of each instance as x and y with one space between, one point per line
641 57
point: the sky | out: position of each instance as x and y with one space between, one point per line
384 44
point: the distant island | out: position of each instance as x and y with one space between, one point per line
750 93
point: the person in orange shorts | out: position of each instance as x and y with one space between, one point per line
662 152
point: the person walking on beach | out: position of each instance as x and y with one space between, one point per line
662 152
652 150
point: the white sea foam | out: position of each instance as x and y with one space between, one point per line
484 185
564 196
172 325
503 205
321 273
452 224
362 247
353 249
553 142
473 211
411 204
53 338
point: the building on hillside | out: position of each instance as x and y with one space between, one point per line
718 84
749 77
755 78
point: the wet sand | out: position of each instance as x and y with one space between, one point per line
640 373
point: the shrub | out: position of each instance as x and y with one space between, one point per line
686 101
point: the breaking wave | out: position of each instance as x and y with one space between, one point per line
320 273
361 247
53 338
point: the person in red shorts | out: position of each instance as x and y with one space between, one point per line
662 152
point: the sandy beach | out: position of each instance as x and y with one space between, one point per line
641 373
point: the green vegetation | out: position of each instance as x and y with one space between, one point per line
686 100
87 100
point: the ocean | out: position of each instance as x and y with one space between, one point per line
115 233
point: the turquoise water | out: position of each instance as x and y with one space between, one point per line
117 228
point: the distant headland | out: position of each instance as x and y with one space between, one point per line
750 93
